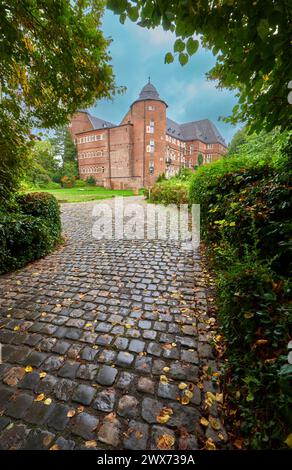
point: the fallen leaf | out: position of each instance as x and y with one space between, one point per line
80 409
16 328
238 443
90 444
164 415
42 374
47 440
209 444
163 379
165 442
48 401
182 386
204 421
71 413
40 397
215 423
55 447
185 400
28 369
288 440
166 369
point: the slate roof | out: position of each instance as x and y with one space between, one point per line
203 130
96 122
149 92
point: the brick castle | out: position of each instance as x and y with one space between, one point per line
144 145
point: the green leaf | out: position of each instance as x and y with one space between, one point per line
192 46
183 58
122 18
133 13
168 58
179 46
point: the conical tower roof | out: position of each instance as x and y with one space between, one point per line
149 92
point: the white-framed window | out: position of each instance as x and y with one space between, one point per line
99 136
209 158
191 149
151 146
151 108
150 128
209 146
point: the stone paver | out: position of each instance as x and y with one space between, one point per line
103 337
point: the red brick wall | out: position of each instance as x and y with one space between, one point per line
79 123
142 112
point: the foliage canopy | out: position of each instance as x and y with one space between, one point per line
251 41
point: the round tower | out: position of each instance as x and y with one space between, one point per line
148 116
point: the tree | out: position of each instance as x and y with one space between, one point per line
54 60
200 159
65 151
250 39
239 138
42 164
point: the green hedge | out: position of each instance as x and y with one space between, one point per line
30 230
245 220
169 192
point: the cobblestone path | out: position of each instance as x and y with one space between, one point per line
103 346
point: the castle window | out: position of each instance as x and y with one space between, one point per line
150 148
150 128
209 158
209 146
99 136
151 108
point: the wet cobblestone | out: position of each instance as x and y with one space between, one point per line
97 338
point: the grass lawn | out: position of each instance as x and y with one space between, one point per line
88 193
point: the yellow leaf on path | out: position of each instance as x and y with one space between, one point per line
188 394
16 328
48 401
204 421
88 325
215 423
288 441
128 326
28 369
47 440
165 442
42 374
219 397
40 397
163 379
185 401
166 369
71 413
162 419
55 447
80 409
164 415
90 444
182 386
209 444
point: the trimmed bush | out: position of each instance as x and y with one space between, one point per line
245 220
29 231
169 192
79 184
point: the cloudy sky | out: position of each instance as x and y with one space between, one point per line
137 53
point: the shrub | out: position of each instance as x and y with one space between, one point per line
245 220
67 181
29 231
169 192
79 184
90 181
